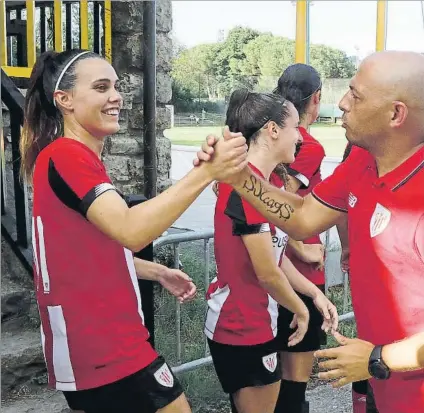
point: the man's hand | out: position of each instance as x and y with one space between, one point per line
328 311
178 284
207 149
228 159
348 363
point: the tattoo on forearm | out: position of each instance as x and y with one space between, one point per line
282 209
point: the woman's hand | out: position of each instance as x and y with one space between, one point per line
344 259
179 284
328 311
301 321
314 254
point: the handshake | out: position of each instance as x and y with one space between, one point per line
223 159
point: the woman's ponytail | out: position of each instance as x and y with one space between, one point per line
42 121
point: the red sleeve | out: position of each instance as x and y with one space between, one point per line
77 176
307 162
334 190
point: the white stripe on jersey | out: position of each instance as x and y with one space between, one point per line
273 313
131 268
264 228
35 254
62 366
215 304
43 261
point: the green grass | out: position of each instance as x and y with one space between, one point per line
332 137
201 385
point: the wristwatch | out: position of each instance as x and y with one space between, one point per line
376 366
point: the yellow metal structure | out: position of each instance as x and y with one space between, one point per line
84 24
3 44
108 31
301 30
57 16
30 32
381 32
25 72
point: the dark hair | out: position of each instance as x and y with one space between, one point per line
43 122
248 112
298 83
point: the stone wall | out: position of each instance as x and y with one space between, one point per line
123 153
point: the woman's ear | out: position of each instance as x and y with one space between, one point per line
63 100
316 98
273 130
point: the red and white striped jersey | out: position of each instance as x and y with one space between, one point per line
240 311
86 284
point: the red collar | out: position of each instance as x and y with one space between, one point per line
403 173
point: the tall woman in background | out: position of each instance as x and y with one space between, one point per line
301 84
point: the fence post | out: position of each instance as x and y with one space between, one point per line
177 306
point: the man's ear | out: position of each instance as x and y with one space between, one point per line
399 114
64 100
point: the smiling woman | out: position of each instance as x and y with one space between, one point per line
83 235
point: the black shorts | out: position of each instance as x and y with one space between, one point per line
147 391
238 367
314 338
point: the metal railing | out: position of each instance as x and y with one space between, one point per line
15 220
31 27
175 240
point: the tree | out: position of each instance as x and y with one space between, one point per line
331 62
249 59
230 57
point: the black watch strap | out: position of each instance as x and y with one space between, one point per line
376 366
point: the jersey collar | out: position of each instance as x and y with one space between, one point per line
403 173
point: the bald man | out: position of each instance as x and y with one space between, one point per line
381 189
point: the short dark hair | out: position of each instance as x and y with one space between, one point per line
298 83
248 112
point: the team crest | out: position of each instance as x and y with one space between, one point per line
164 376
270 362
379 220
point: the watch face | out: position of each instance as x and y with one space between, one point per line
379 372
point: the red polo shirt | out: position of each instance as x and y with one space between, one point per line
307 169
386 238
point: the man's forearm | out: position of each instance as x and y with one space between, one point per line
405 355
284 209
147 270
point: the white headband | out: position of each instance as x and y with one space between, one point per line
62 73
